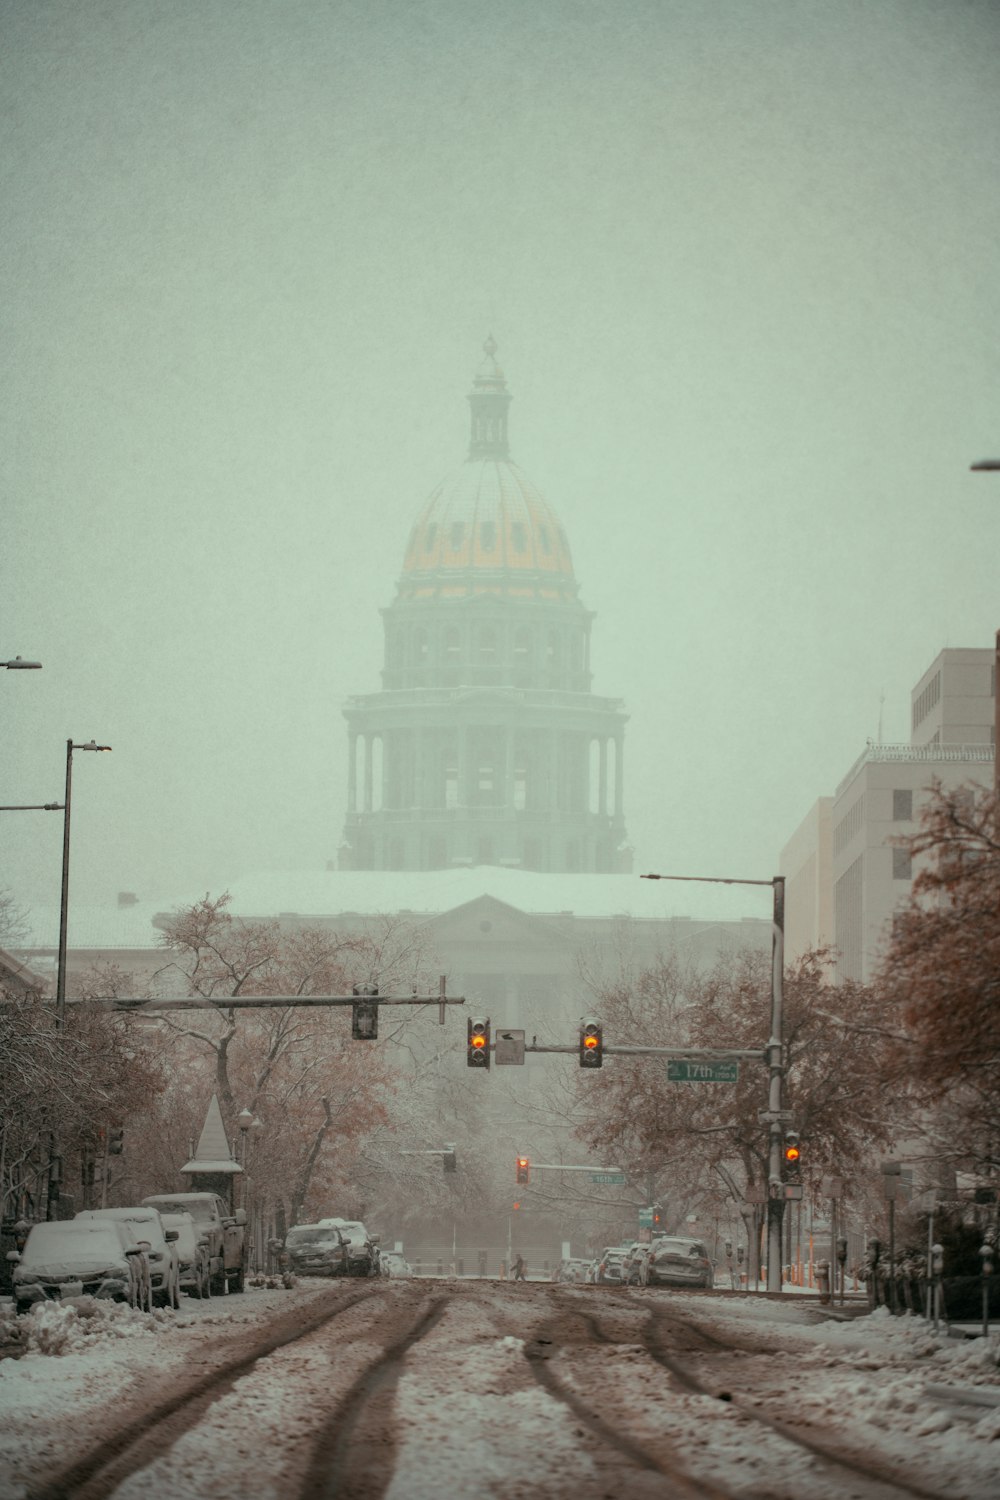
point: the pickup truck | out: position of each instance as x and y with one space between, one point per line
224 1233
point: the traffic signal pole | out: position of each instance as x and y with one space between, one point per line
776 1070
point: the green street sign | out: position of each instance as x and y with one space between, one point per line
683 1070
609 1179
645 1218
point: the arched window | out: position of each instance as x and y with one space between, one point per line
522 647
487 642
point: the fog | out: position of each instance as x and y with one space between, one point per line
742 262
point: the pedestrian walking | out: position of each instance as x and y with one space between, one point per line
520 1270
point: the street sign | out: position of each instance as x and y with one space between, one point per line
509 1048
775 1116
684 1070
610 1179
645 1218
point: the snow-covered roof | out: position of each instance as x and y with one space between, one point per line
423 893
212 1154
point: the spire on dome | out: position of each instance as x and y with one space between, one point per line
489 400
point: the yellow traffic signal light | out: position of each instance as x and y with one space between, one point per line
478 1051
591 1045
523 1169
792 1155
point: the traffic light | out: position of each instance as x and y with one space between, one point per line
364 1018
657 1217
792 1156
523 1169
449 1160
591 1045
478 1054
116 1141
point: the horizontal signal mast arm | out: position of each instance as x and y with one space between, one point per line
752 1054
257 1002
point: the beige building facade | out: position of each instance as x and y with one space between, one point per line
846 873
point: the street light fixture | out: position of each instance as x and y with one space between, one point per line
64 896
20 665
992 466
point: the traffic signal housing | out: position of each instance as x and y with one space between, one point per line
449 1160
116 1141
478 1051
791 1155
364 1017
591 1044
523 1169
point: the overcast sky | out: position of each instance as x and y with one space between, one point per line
742 261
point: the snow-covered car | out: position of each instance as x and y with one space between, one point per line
610 1267
676 1261
194 1270
317 1250
224 1231
393 1264
76 1258
571 1270
362 1248
164 1261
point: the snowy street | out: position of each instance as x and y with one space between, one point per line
425 1388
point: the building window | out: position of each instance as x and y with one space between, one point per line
452 645
437 856
450 769
902 864
902 806
420 647
487 647
485 852
928 699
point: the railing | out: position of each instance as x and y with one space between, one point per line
979 754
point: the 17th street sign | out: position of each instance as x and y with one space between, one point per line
685 1070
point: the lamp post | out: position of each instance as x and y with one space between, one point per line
20 665
248 1123
992 466
55 1164
774 1114
64 896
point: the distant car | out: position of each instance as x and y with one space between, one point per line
362 1248
194 1267
164 1261
676 1261
571 1270
393 1264
317 1250
76 1258
225 1232
610 1266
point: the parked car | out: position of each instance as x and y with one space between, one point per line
362 1248
571 1270
317 1250
676 1261
76 1258
392 1263
224 1232
194 1269
610 1266
164 1261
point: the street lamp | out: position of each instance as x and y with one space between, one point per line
774 1114
20 665
248 1123
64 896
992 466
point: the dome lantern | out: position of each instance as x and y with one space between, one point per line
489 400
